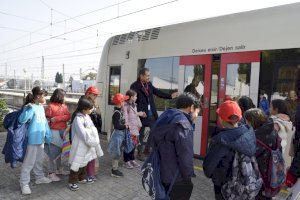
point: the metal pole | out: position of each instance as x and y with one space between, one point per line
63 76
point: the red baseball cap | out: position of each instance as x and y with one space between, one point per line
119 98
228 109
92 90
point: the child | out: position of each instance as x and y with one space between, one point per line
38 133
265 133
134 124
230 138
284 126
58 115
85 144
118 135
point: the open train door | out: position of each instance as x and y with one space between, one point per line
239 75
195 76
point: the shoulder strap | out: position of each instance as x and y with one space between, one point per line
263 145
173 181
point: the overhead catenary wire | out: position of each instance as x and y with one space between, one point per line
60 21
84 27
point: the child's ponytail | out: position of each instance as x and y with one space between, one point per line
29 99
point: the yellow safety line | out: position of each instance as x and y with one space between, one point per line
284 191
198 168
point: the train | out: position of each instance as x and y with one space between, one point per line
254 53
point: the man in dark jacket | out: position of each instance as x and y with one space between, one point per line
229 138
295 167
173 134
145 103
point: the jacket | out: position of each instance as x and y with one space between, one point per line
95 115
264 105
268 136
16 142
173 134
61 115
217 163
285 130
295 166
143 100
85 142
118 119
38 130
131 118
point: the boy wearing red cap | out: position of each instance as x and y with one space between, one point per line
228 139
118 135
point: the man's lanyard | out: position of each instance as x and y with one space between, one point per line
146 89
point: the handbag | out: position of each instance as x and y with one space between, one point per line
128 143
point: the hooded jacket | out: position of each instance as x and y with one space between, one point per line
217 164
173 134
285 131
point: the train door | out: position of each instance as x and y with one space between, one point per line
195 77
239 75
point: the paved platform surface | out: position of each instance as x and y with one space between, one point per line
105 188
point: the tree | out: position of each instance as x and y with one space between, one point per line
58 78
90 76
3 111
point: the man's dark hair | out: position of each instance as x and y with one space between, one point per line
58 96
186 100
143 71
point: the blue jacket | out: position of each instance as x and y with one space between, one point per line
217 164
173 132
16 142
264 105
38 130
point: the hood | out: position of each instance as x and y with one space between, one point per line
283 120
266 129
174 116
241 139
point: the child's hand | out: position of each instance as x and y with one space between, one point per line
142 114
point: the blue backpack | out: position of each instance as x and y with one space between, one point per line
151 180
16 141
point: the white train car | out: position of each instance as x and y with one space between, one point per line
250 53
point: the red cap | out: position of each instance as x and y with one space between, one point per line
92 90
228 109
119 98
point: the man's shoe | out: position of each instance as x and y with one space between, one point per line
26 190
116 173
43 180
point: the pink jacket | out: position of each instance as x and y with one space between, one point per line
132 119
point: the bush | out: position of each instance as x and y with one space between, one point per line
3 111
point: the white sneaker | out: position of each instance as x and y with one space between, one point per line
53 177
43 180
26 190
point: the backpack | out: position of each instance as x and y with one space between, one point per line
16 141
246 181
151 180
275 176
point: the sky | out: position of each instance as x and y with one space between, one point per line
73 32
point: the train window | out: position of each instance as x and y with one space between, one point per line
194 80
114 82
279 73
164 76
238 80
